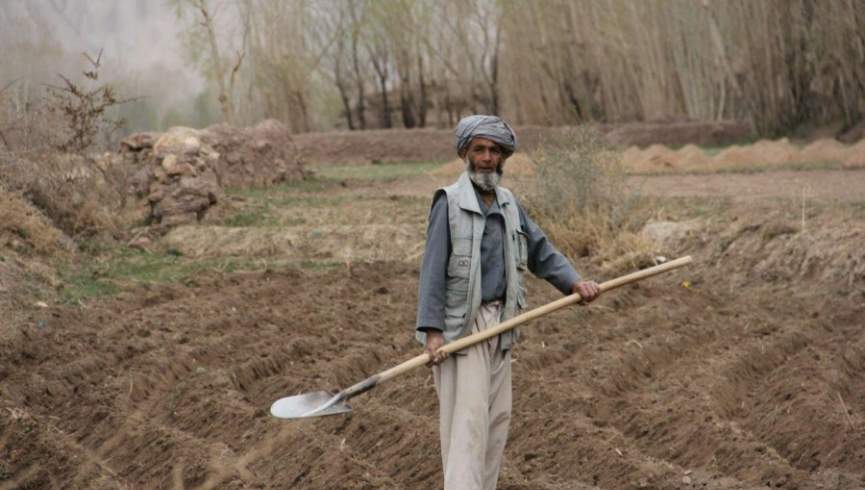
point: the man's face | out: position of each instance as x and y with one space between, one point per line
485 155
485 160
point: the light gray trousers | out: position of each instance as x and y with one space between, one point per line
474 392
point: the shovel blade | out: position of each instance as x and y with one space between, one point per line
307 405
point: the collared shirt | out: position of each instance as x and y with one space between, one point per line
544 260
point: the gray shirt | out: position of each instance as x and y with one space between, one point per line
544 260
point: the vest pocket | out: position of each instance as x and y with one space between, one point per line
522 250
459 264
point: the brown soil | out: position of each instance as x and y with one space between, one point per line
744 371
802 187
764 153
401 145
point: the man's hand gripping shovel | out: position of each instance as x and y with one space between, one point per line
320 403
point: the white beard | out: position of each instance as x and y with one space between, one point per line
486 181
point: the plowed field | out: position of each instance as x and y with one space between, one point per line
745 370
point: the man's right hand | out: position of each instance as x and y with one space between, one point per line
434 340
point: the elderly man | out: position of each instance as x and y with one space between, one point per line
480 241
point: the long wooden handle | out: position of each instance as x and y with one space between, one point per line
518 320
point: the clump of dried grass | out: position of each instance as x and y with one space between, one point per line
82 196
581 200
46 146
24 229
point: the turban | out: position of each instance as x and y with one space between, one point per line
492 128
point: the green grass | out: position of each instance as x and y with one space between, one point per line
125 268
250 218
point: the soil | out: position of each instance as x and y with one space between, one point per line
428 144
744 371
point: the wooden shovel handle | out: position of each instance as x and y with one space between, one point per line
518 320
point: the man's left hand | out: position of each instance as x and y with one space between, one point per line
588 290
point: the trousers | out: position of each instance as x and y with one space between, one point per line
474 393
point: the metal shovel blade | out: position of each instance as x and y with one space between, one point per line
315 404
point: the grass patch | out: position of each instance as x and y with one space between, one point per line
313 185
250 218
126 268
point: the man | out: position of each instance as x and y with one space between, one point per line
480 241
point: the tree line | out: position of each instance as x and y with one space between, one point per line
362 64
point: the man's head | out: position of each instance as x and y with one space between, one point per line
485 142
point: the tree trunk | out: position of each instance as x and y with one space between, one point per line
224 97
346 101
358 76
422 105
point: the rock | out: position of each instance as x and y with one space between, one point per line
178 141
184 169
142 243
668 233
138 141
168 163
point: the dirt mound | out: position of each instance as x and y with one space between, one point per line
826 149
257 156
764 152
25 230
183 171
856 157
653 158
691 156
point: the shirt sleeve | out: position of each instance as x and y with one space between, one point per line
433 272
545 261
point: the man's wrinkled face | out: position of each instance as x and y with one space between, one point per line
485 161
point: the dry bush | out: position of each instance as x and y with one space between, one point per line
580 199
45 157
84 197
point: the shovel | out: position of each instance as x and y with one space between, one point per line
321 403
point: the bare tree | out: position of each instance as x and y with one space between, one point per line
203 33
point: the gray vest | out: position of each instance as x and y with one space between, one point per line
463 290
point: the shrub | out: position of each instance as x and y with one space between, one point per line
582 200
44 156
84 197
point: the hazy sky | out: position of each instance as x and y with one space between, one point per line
136 36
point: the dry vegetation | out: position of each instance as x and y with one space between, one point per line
581 199
777 64
362 64
49 155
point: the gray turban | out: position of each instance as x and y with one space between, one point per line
492 128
